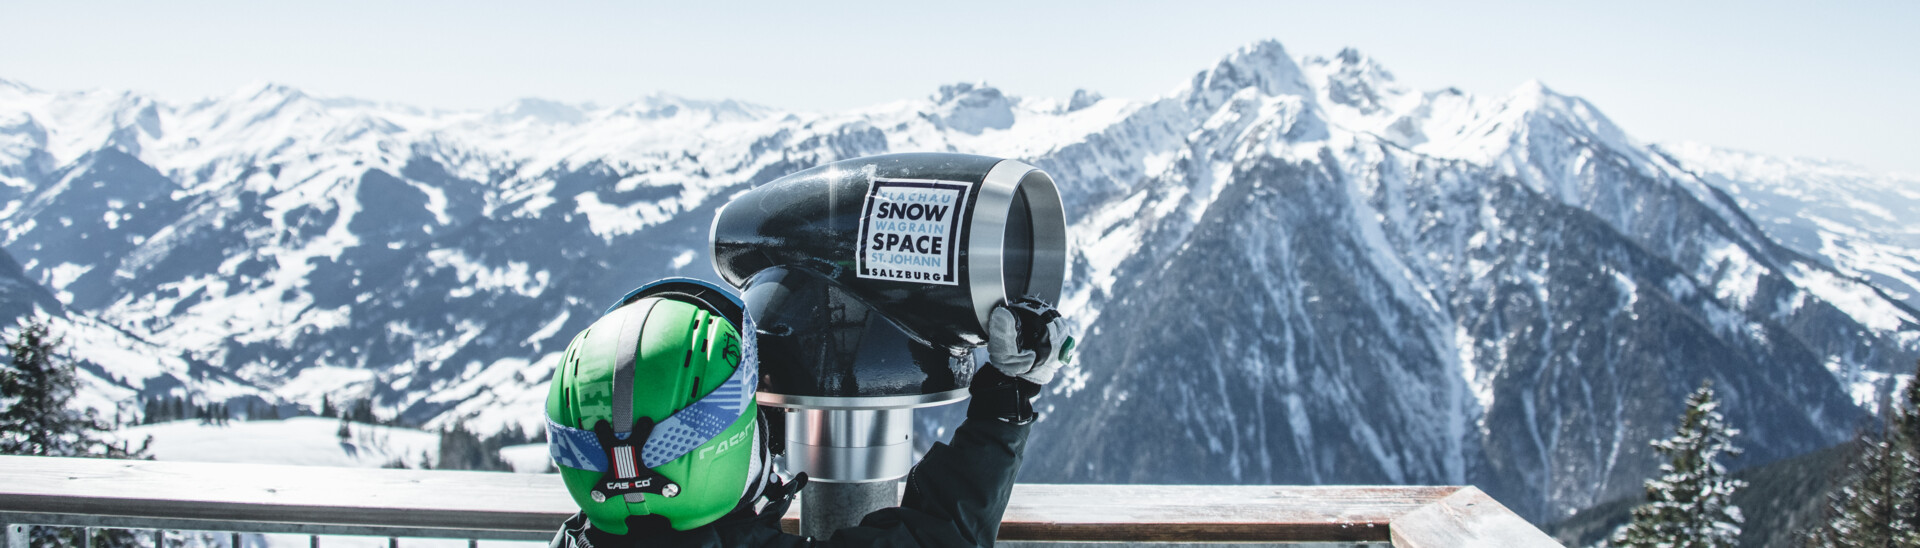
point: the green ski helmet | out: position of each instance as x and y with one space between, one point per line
651 414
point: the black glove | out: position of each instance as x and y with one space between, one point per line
1027 342
1000 397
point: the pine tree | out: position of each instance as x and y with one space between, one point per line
462 449
1688 505
35 388
152 410
1879 505
360 410
1909 494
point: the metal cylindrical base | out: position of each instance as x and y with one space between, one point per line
850 446
855 459
829 507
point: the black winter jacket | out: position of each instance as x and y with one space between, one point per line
955 497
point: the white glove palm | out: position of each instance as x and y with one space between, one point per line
1027 339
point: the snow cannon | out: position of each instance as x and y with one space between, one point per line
870 281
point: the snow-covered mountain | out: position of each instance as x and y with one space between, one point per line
1378 285
1857 221
1288 269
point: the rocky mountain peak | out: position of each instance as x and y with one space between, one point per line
539 110
972 107
1263 65
1083 98
15 87
665 105
269 91
1355 80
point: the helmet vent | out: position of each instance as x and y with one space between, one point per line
706 342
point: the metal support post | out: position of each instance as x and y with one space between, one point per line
855 459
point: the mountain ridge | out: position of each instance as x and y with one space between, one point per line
1388 271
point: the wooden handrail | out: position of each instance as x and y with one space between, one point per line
493 505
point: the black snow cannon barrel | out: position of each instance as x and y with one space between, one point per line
870 281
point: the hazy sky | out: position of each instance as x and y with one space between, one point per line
1827 80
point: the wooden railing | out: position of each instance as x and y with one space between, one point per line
258 498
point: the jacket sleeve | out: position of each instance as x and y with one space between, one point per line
954 497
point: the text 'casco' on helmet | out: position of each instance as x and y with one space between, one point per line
651 413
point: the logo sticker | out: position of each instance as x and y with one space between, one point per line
910 231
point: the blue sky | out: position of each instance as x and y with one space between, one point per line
1832 80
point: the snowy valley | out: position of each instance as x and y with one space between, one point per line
1288 269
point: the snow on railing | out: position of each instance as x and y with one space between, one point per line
310 500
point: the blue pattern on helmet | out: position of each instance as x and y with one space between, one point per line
575 448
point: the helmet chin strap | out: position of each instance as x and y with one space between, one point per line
765 488
761 464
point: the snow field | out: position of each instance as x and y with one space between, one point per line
313 441
305 441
